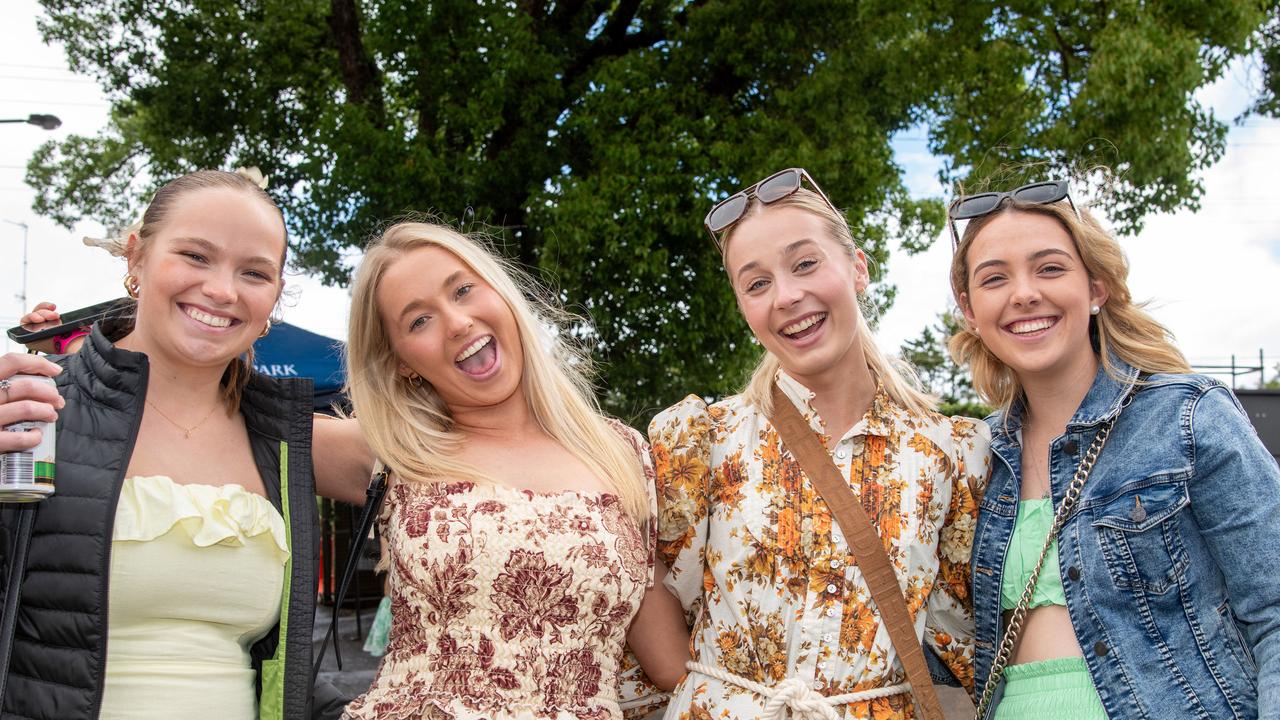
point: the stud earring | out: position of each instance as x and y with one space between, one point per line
1095 310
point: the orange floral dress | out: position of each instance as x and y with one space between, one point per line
768 583
511 604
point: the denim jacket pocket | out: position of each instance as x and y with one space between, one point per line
1235 639
1137 530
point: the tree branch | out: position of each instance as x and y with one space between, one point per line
359 74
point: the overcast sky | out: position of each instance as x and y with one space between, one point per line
1211 276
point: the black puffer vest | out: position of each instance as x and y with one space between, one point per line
59 650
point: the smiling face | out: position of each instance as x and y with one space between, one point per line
1029 296
798 289
209 277
447 325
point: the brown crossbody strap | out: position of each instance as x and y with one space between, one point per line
865 542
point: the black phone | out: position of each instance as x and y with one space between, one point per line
83 317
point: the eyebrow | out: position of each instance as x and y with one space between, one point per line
415 304
785 251
1030 258
212 249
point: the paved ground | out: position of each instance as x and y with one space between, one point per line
358 666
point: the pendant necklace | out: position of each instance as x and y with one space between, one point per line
186 432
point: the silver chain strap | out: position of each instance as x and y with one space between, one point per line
1059 519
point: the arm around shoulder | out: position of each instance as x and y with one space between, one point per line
342 459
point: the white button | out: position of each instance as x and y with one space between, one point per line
835 563
822 665
831 612
831 589
842 453
827 638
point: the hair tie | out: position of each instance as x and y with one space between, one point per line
253 175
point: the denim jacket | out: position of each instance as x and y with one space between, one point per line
1169 562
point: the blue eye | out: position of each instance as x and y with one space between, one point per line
805 265
463 290
419 322
756 285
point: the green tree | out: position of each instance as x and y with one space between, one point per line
939 373
592 135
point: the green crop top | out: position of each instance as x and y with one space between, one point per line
1035 517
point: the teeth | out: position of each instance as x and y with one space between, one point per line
207 319
1029 326
805 324
474 348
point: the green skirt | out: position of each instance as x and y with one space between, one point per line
1057 689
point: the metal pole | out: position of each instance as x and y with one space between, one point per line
26 229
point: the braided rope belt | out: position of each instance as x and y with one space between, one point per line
795 695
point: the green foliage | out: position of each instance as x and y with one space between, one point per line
1266 43
593 134
939 373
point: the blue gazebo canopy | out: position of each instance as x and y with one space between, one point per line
289 351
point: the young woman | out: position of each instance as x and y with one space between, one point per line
178 469
780 610
519 521
1151 602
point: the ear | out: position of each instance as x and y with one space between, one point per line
967 311
1098 292
861 277
131 252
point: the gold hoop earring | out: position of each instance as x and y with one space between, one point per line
266 330
415 379
131 286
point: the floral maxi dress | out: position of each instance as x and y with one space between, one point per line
510 604
768 583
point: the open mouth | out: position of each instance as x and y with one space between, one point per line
219 322
1032 326
478 358
805 326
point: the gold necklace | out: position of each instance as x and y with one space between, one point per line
186 432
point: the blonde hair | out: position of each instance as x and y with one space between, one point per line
896 377
409 427
1122 327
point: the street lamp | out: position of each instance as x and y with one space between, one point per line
48 122
25 229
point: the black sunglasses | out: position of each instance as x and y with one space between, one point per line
771 189
967 207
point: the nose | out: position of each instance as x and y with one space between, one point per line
1025 293
457 324
220 287
786 293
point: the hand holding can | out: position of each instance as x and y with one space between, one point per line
29 401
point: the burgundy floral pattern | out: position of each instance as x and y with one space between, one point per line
510 604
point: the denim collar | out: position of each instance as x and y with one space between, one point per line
1101 403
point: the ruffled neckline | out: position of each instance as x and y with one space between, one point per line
151 506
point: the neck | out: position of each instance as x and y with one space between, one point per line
509 420
841 397
1053 397
184 391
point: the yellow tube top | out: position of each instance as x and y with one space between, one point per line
196 577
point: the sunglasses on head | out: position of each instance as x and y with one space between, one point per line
967 207
771 189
